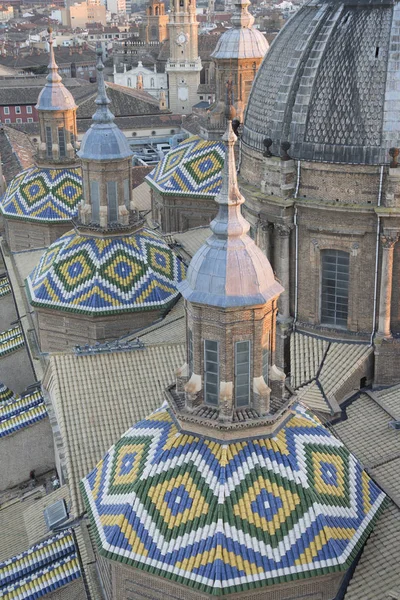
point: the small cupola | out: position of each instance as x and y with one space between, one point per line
231 299
106 166
57 117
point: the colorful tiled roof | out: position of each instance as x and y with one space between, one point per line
5 287
43 568
5 393
99 276
11 340
193 167
18 413
226 517
44 195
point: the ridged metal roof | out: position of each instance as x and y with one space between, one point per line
329 85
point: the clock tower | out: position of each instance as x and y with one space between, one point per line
184 64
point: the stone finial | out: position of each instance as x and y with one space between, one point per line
394 153
267 145
53 76
102 114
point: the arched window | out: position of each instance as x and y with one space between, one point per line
242 373
211 372
112 201
129 82
61 142
49 142
95 201
152 82
335 287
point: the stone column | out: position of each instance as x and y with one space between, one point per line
284 320
281 263
264 230
385 298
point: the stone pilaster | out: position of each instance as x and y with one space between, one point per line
388 242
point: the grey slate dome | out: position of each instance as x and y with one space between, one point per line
104 140
329 84
242 41
54 96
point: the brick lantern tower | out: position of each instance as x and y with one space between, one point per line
231 303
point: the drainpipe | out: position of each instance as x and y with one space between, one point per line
378 230
296 257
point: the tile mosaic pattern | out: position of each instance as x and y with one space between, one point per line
18 413
5 393
43 195
99 276
43 568
227 517
11 340
5 287
193 167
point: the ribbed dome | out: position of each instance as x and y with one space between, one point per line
241 43
43 195
225 517
54 96
100 276
104 140
328 85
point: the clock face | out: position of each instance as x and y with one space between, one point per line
181 39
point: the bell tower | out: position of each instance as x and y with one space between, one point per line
156 22
184 64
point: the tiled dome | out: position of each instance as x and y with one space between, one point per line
43 195
231 516
106 275
328 84
192 168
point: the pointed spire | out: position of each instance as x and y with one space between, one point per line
53 76
229 221
102 114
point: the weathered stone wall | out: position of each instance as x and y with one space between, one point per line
321 229
387 362
178 213
24 235
132 584
59 331
25 450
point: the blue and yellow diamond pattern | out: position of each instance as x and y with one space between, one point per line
43 195
99 276
228 517
193 167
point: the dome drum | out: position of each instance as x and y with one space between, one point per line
107 195
227 329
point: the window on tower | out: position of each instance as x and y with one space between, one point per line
112 202
95 201
242 373
211 372
61 142
49 142
335 287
